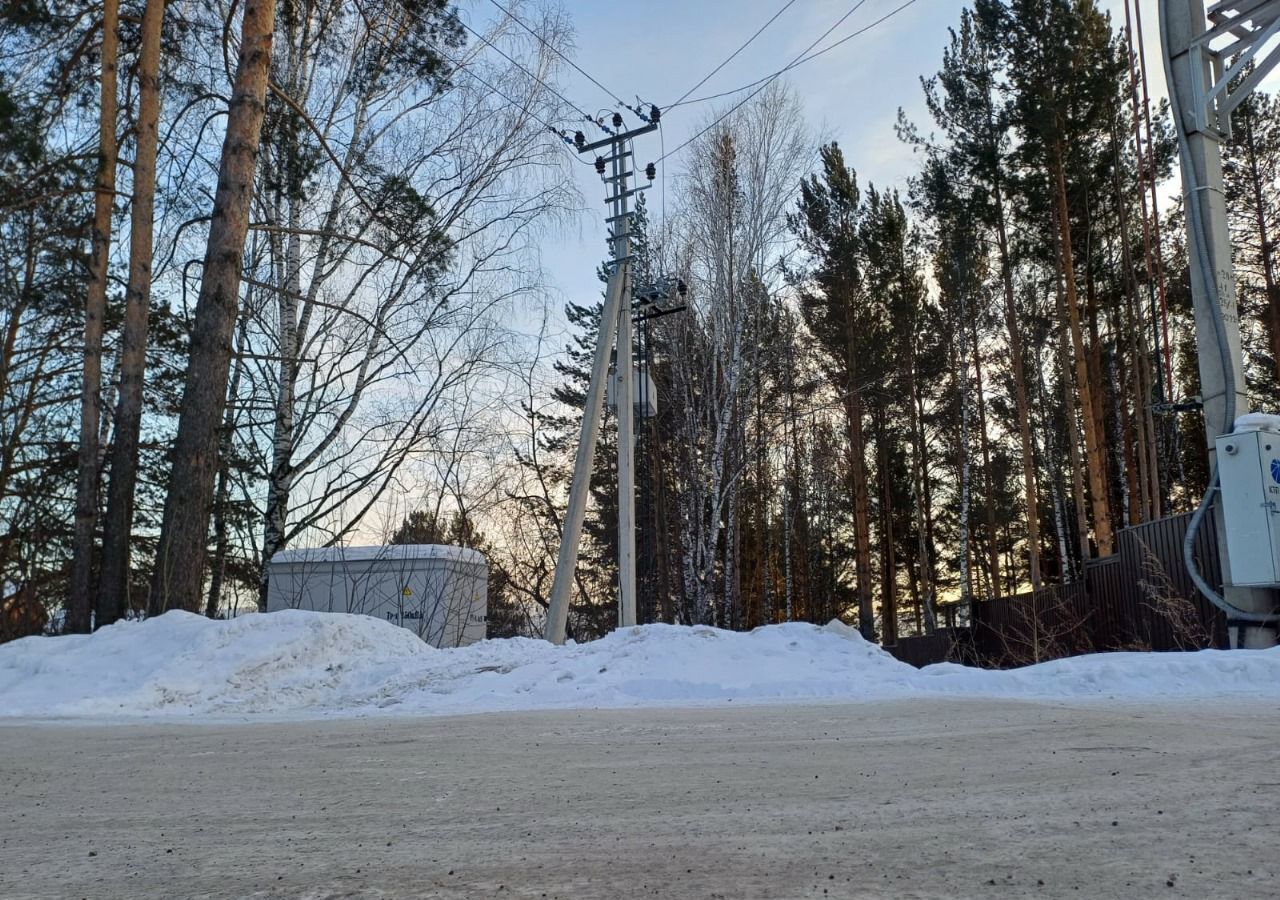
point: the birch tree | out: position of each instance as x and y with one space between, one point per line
740 182
395 210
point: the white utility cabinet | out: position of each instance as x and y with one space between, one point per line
439 593
1249 473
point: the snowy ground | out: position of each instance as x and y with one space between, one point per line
312 665
814 766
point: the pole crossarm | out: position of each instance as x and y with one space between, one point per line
1242 34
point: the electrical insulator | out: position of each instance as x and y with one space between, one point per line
655 115
600 165
681 288
579 139
617 120
651 171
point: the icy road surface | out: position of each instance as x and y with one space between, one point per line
298 665
988 799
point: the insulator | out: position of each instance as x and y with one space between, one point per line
655 115
681 288
651 171
579 139
617 120
600 165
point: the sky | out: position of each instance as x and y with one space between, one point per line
661 48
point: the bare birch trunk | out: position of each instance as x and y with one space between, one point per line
889 575
984 443
919 497
861 514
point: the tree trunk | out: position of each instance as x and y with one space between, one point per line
180 557
1073 436
861 518
1269 280
280 481
113 597
924 530
984 442
961 359
218 569
1021 403
889 575
88 463
1094 450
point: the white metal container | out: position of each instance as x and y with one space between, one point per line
439 593
1249 473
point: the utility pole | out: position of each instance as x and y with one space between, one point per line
1204 53
614 319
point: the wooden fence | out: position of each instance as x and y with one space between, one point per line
1140 598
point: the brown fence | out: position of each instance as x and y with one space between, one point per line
1139 598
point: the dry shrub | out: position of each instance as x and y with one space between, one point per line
1164 599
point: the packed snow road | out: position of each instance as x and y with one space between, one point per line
904 798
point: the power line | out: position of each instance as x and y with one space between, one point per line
538 80
708 76
556 50
890 14
799 60
459 66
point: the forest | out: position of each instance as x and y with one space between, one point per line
271 279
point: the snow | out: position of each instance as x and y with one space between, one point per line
297 664
1256 421
381 553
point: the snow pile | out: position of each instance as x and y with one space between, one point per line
298 663
1256 421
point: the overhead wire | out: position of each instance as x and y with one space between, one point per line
732 55
586 116
803 57
556 50
525 108
799 62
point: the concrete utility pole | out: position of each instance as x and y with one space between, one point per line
615 318
626 409
1204 53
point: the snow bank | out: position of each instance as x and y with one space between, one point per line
305 664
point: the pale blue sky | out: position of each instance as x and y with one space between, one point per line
660 48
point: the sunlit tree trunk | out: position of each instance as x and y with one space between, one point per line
113 598
88 463
181 555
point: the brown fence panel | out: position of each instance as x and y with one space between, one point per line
1168 612
1106 583
944 645
1139 598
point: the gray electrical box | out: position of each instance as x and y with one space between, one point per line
645 397
1249 472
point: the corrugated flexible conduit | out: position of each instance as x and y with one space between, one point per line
1196 239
